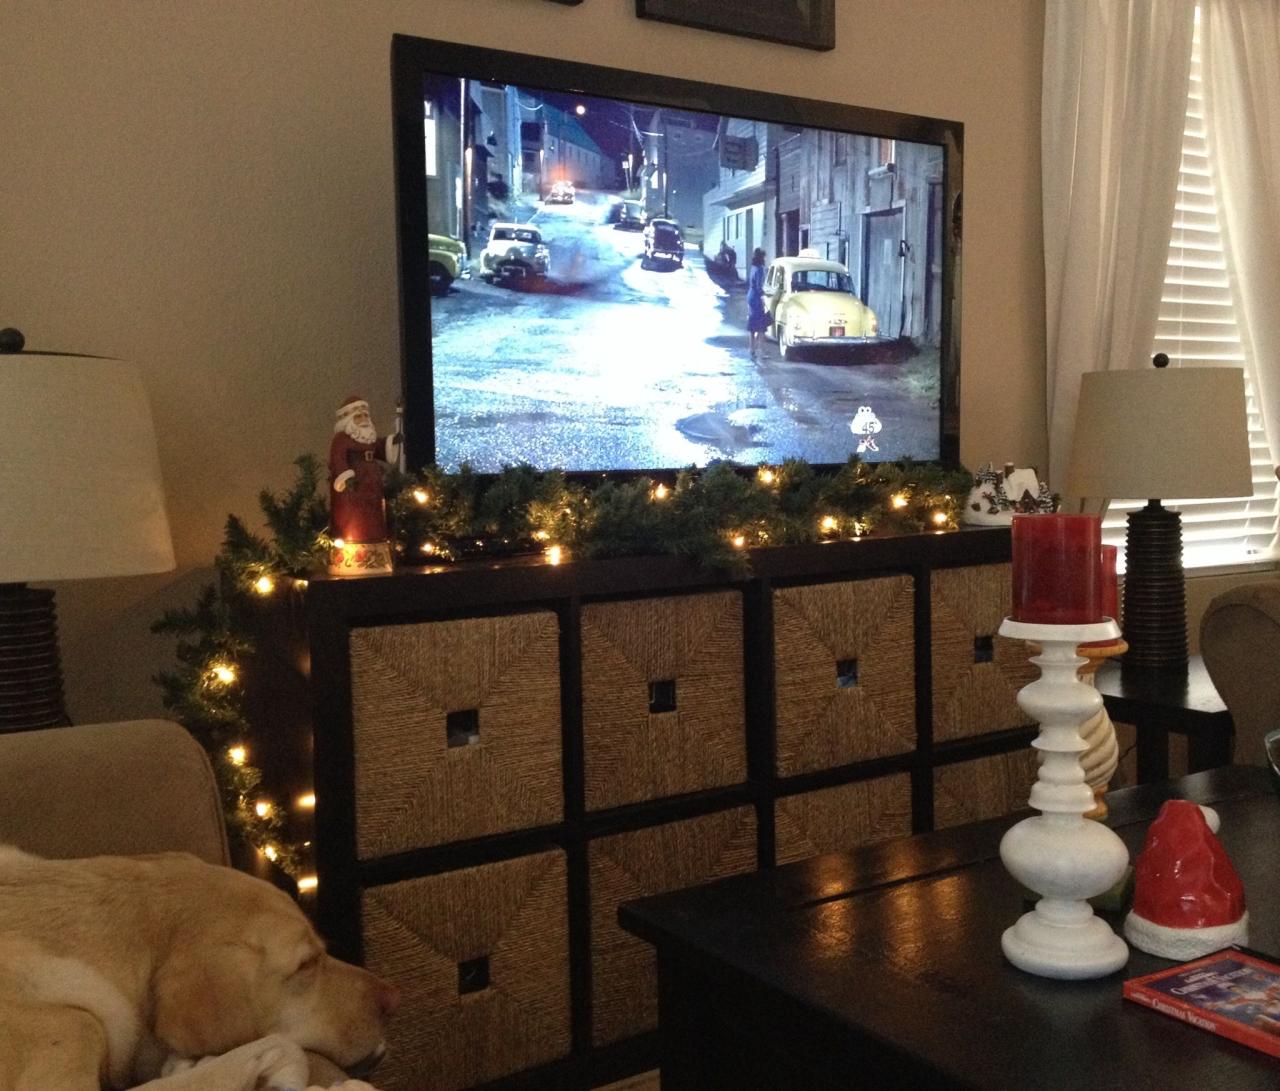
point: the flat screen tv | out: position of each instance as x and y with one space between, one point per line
576 252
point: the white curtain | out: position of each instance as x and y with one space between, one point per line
1112 113
1240 50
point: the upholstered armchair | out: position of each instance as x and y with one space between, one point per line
118 789
1240 644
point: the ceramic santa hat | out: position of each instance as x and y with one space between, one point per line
1187 899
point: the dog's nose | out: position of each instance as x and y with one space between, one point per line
388 998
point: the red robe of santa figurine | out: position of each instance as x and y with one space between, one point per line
357 512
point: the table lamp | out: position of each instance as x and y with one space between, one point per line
81 497
1159 432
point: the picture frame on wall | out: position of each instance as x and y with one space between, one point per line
807 23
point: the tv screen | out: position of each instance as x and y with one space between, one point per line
614 271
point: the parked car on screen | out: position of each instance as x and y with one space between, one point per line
631 218
562 193
662 242
446 262
810 303
515 252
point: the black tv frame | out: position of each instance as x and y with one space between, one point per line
413 57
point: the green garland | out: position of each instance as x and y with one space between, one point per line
714 517
215 641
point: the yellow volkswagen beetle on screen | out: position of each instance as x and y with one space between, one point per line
811 304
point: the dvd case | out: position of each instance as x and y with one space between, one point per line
1234 993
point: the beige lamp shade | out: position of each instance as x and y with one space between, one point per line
1161 433
80 493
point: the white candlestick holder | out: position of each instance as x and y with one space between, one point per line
1060 854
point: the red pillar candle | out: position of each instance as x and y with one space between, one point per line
1110 583
1056 568
1108 593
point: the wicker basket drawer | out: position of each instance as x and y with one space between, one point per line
624 971
834 819
457 730
481 956
970 791
844 666
976 674
662 697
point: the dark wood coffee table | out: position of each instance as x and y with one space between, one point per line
881 968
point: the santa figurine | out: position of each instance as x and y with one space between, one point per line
357 511
1188 899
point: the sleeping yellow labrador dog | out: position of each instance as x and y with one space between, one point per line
116 971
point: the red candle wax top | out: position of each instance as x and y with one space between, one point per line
1057 561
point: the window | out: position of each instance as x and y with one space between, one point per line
886 151
430 125
821 280
1199 325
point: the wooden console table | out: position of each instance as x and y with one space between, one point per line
505 751
882 968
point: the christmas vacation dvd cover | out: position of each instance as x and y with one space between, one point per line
1234 993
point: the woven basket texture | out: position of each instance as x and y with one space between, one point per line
418 931
624 866
834 819
969 697
820 724
412 789
633 754
970 791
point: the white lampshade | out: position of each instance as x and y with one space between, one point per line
80 490
1164 433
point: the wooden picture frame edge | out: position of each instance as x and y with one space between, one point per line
820 35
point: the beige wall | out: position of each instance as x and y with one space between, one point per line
205 188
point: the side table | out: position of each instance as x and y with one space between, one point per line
1158 702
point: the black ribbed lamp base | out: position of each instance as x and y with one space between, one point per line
1155 592
30 667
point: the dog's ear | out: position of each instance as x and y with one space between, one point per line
205 1000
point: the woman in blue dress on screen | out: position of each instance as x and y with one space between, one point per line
757 319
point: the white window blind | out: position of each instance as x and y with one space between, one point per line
1199 326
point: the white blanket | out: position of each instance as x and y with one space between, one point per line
269 1064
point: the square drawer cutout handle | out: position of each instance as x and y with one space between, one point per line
662 695
473 975
462 727
846 673
984 649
